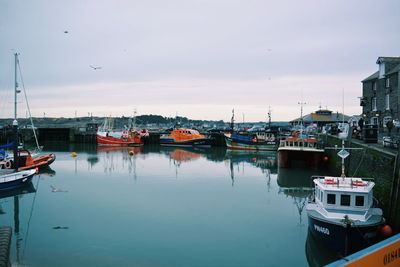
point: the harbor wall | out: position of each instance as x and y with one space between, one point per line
370 161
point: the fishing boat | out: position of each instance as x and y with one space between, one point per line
261 139
107 136
343 212
300 147
185 137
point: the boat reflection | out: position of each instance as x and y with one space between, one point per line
180 155
317 253
16 194
297 184
264 160
47 171
116 158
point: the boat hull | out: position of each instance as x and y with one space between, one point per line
15 179
112 141
41 162
256 146
334 235
200 142
312 159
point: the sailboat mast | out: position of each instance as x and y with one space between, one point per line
15 85
15 122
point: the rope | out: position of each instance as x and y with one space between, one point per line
27 105
359 164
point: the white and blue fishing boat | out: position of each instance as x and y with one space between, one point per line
343 212
265 139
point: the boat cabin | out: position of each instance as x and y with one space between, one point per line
337 195
305 142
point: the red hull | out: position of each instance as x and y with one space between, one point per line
312 159
111 141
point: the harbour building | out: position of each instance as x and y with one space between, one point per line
381 93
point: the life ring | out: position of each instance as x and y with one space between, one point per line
331 182
8 164
358 183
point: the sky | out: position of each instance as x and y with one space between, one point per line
194 58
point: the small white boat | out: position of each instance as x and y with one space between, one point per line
11 179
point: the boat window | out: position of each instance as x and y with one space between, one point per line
295 144
322 196
345 200
331 199
360 201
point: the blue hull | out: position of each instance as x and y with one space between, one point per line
334 236
16 183
204 142
245 145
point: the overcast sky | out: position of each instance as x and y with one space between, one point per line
197 59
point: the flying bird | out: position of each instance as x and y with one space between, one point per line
95 68
65 31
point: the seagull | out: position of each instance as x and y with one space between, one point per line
55 190
65 31
95 68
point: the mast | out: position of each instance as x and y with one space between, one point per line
15 122
232 120
269 117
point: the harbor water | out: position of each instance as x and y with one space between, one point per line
155 206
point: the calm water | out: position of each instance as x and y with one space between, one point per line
157 206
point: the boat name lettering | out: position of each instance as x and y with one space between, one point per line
321 229
391 256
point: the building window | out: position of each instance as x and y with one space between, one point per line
387 82
345 200
331 199
374 121
374 86
373 104
360 201
387 102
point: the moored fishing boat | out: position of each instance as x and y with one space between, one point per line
107 136
260 140
343 212
263 140
185 137
300 147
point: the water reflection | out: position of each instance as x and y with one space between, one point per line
16 194
264 160
115 159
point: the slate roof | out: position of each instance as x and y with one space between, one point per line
388 59
394 70
371 77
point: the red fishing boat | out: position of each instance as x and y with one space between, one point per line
127 137
300 147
